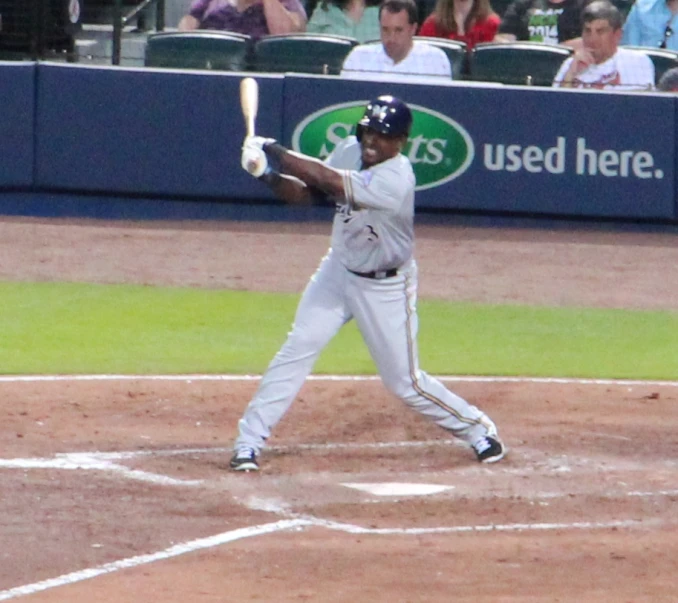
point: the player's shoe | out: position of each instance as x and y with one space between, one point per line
489 449
244 460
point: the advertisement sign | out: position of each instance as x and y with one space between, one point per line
439 148
509 148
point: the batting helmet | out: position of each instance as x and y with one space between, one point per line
387 115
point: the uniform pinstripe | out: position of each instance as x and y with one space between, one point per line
373 230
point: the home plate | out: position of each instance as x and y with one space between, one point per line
399 489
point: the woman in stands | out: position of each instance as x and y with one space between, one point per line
255 18
471 21
357 19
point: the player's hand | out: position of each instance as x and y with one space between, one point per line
253 160
258 142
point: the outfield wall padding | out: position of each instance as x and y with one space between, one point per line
17 122
113 132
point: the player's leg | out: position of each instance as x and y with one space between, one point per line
320 314
387 318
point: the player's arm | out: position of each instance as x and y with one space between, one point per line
310 171
299 182
292 190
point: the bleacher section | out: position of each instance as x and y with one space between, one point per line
515 63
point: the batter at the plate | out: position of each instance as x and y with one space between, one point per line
369 275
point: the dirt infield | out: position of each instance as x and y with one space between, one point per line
117 489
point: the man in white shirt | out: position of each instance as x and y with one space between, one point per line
397 53
600 63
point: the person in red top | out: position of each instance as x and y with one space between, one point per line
470 21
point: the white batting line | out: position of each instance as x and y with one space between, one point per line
174 551
279 448
288 524
101 461
92 461
340 378
514 527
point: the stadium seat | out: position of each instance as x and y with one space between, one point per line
302 53
662 58
200 49
518 63
455 50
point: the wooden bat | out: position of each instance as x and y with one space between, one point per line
249 103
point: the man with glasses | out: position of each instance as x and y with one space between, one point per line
600 63
652 23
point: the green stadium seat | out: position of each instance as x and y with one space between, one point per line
517 63
456 51
200 49
662 58
302 53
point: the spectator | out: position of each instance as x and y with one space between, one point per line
252 17
669 81
600 63
357 19
547 21
397 53
652 23
470 21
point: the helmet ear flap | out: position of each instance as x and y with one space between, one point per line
359 131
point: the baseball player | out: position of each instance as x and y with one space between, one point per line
368 275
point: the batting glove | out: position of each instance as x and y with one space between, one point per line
258 142
254 161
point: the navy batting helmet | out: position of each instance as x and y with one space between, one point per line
387 115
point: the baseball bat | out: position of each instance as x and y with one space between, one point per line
249 103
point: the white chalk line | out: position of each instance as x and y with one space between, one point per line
92 461
103 462
300 523
340 378
174 551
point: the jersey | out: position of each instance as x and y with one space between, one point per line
625 70
373 228
543 20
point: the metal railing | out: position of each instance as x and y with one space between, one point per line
121 20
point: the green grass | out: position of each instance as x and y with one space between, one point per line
58 328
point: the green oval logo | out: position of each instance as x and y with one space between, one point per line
439 148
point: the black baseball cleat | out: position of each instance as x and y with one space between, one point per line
489 449
244 460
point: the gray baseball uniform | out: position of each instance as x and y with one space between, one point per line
372 234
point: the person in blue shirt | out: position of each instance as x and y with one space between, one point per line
652 23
